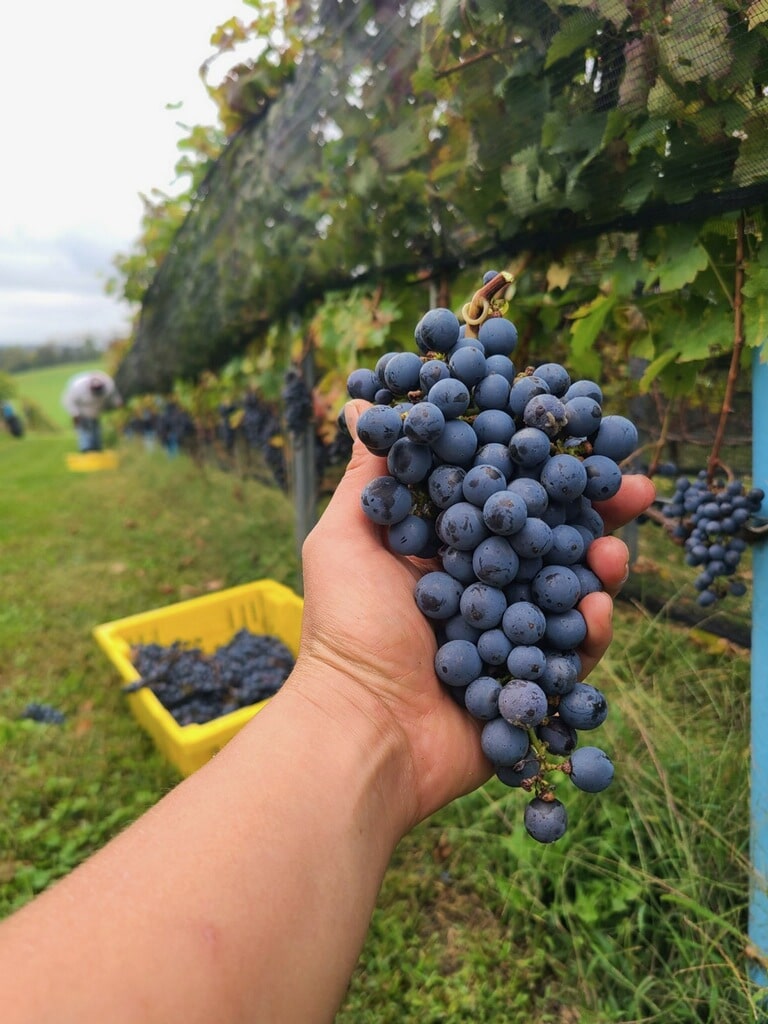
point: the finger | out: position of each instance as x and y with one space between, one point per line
608 558
636 494
361 469
597 610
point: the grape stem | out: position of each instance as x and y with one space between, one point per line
738 344
480 306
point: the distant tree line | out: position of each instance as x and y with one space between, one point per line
17 358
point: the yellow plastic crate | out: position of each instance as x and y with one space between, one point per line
208 622
90 462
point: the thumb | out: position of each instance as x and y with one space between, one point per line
362 467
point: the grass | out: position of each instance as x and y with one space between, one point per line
637 915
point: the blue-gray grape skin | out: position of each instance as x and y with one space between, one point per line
503 466
591 770
546 820
709 516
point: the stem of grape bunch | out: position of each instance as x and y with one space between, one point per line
484 303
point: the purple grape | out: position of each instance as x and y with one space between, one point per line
437 595
591 769
546 821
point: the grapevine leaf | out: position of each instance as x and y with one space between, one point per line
711 338
681 259
752 161
755 292
398 148
558 276
757 13
696 46
423 78
614 11
588 321
574 34
663 103
518 179
654 368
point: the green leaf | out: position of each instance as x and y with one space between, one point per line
653 370
755 292
711 338
588 321
398 148
615 11
757 13
696 46
752 162
663 101
574 34
680 260
519 178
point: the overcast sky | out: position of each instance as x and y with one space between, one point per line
85 88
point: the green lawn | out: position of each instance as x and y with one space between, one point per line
637 915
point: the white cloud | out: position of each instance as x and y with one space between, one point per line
84 91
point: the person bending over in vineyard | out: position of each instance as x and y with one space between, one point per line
85 398
245 893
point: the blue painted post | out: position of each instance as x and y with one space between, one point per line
758 908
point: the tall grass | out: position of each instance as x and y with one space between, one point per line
637 915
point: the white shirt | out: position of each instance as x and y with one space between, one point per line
79 400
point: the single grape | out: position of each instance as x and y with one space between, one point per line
438 594
522 703
584 707
457 663
385 501
591 769
481 698
502 743
379 427
546 821
524 623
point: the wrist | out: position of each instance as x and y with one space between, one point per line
353 729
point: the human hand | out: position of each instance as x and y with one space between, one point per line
361 620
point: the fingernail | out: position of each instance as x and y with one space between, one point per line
625 577
351 416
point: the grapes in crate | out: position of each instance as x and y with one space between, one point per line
196 687
493 470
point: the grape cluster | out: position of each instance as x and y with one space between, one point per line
45 714
710 518
297 400
197 687
494 471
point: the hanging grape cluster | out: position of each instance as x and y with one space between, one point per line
709 519
494 471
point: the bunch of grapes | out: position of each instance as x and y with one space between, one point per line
43 713
710 520
493 471
297 399
197 687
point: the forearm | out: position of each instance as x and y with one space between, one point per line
245 895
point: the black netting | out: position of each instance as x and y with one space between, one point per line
415 139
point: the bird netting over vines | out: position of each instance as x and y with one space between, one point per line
409 140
